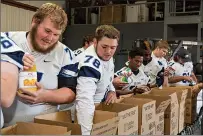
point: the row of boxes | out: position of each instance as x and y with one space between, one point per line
159 112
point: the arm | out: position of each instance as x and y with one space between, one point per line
194 78
9 83
176 79
67 81
85 108
124 92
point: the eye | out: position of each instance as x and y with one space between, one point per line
47 30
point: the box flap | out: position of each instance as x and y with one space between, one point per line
107 127
10 130
116 107
24 128
161 102
61 118
100 116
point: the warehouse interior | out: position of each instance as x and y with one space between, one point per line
179 22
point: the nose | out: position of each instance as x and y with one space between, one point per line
49 37
108 50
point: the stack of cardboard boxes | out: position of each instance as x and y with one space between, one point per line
159 112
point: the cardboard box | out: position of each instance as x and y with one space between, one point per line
25 128
103 123
182 94
128 117
146 113
190 104
161 104
106 15
118 100
171 112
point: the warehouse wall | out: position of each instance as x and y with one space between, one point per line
18 19
40 2
129 32
15 19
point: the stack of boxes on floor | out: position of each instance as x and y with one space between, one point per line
159 112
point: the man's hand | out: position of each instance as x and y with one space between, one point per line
33 97
118 83
141 89
187 78
111 97
28 61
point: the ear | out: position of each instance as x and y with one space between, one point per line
35 21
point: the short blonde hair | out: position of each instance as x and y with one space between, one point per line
107 31
54 12
162 44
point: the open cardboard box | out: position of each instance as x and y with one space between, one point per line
128 117
171 113
25 128
182 94
103 123
118 100
146 113
161 104
190 103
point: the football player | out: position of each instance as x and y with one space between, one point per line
138 79
55 66
87 41
96 71
182 74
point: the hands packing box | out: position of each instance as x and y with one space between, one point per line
161 104
128 117
104 123
146 114
25 128
171 112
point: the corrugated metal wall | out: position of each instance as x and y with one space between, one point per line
18 19
15 19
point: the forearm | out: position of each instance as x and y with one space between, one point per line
176 79
8 90
194 77
9 83
165 84
59 96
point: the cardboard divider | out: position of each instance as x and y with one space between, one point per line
146 113
25 128
103 123
128 117
161 104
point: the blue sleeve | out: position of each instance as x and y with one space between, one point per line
10 52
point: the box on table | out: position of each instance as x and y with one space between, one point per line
146 113
171 113
25 128
128 117
161 104
103 123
